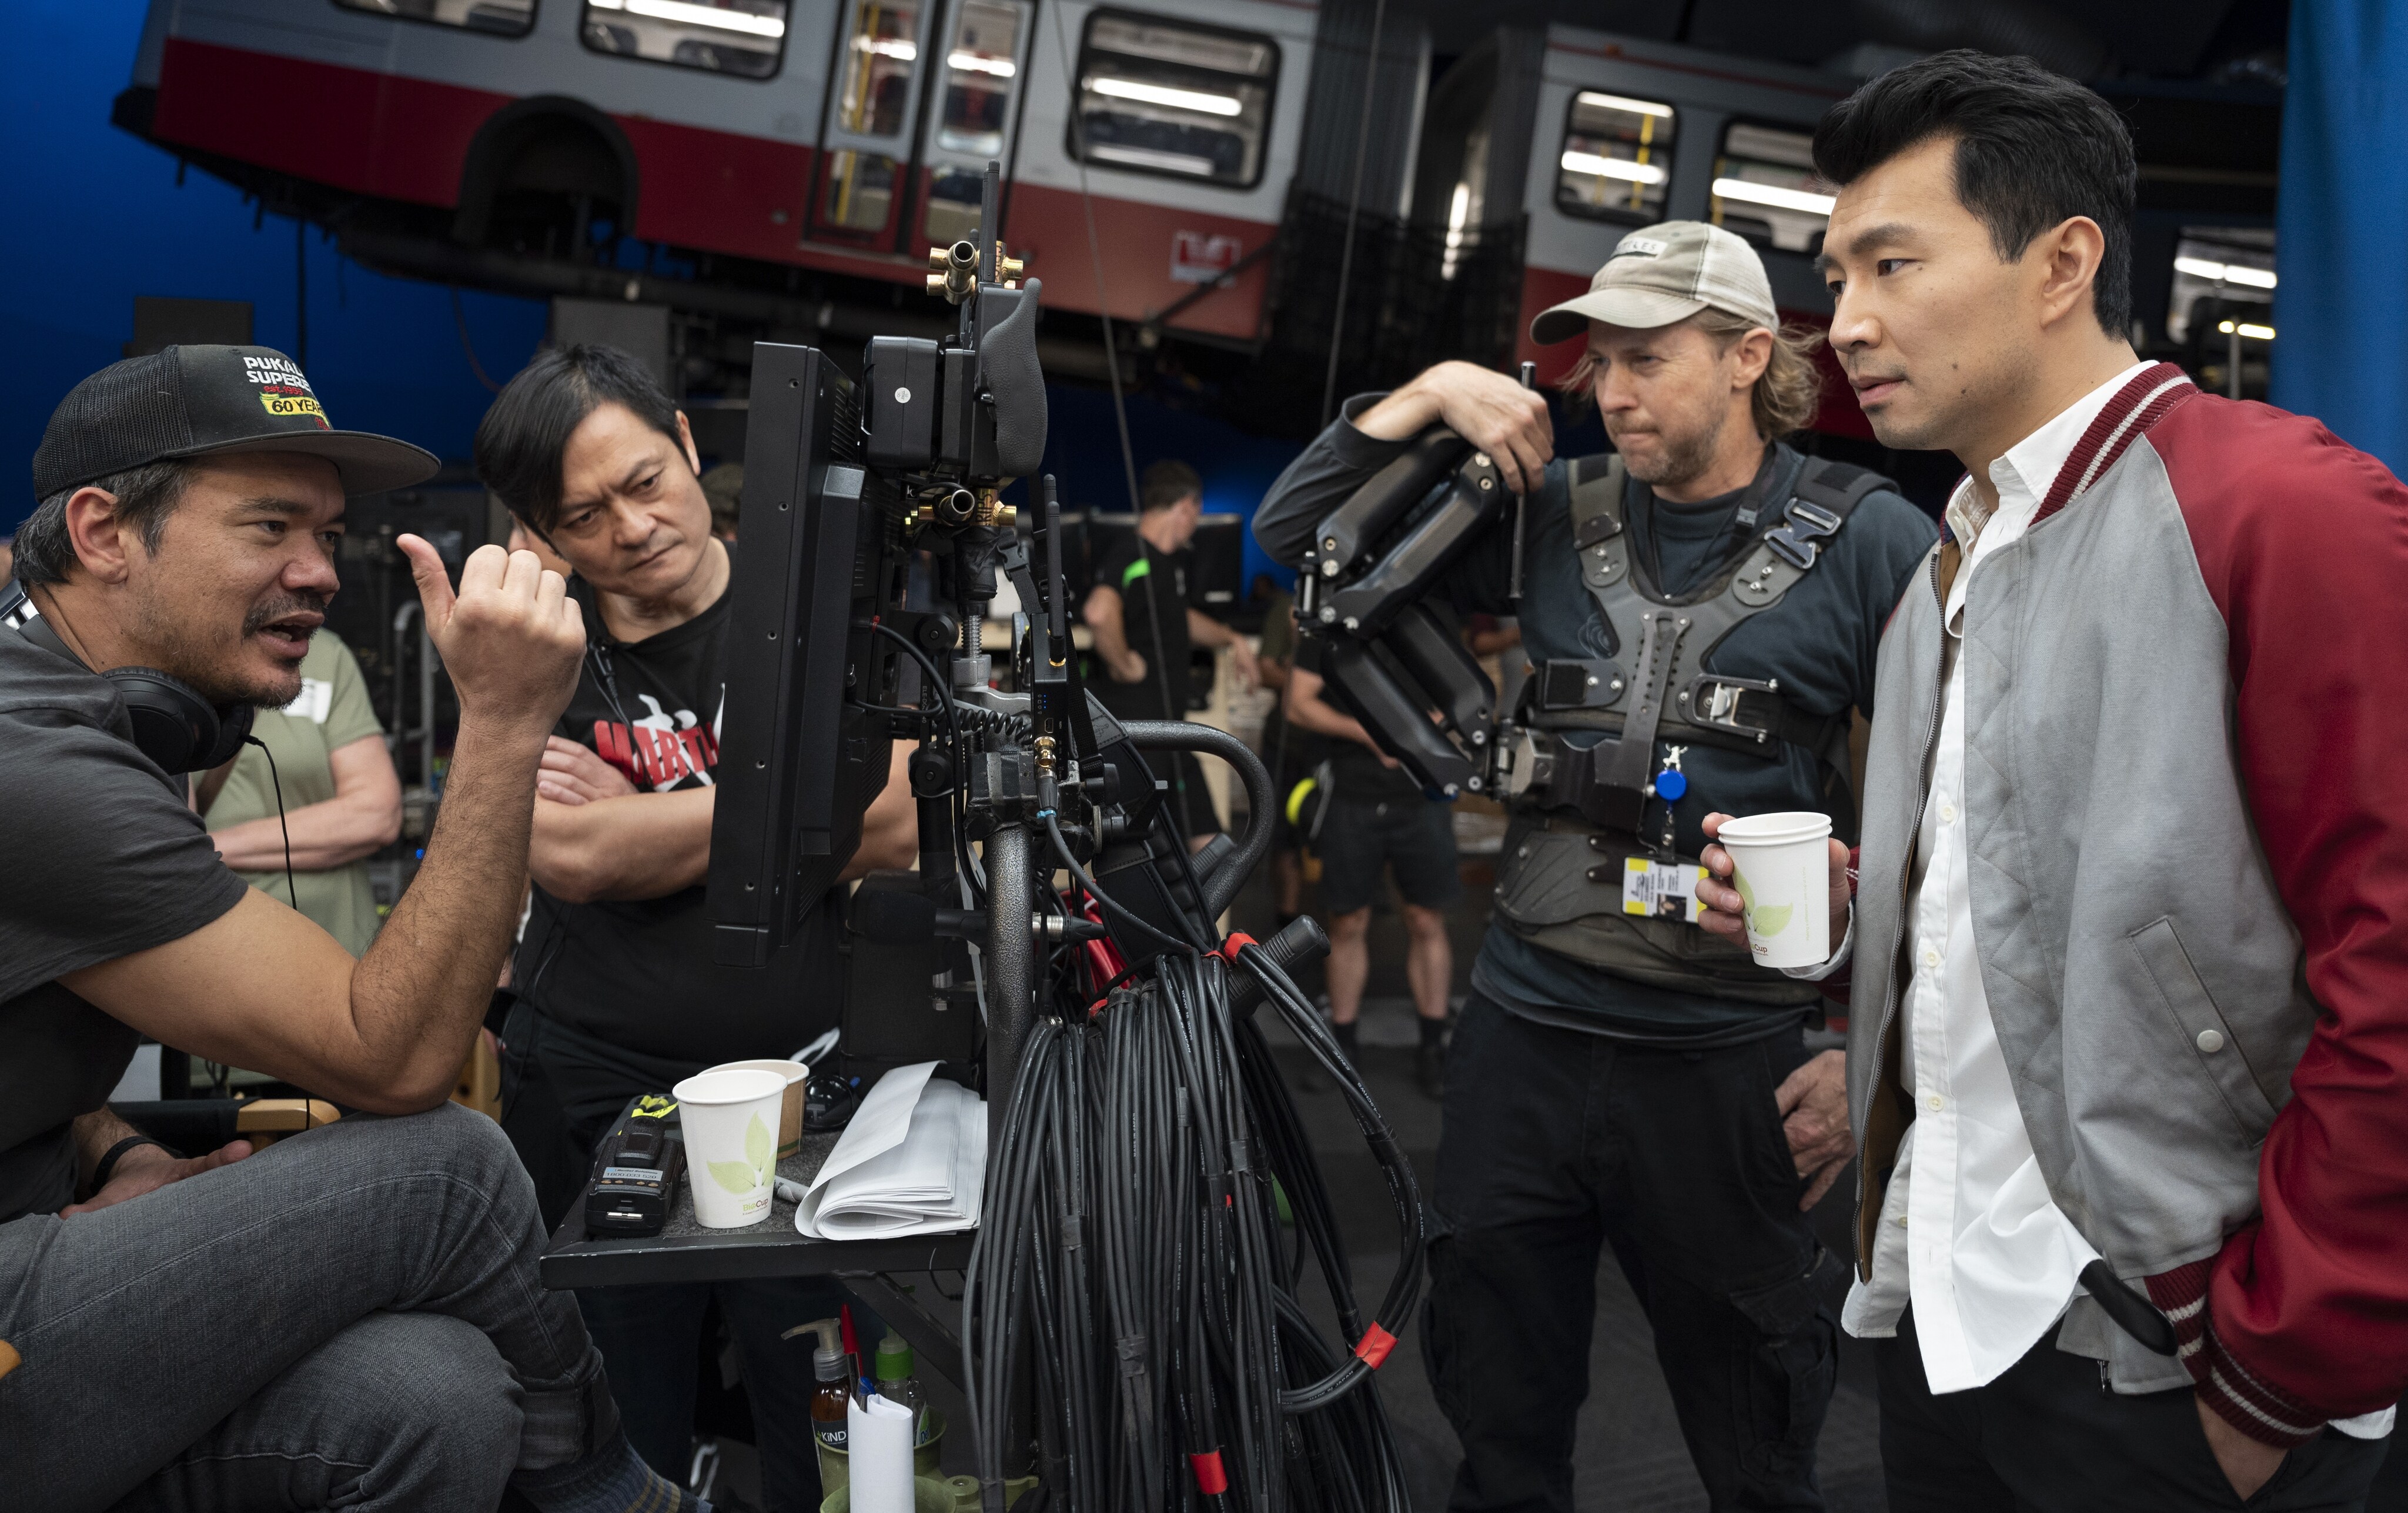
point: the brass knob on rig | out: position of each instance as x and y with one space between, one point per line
992 512
1007 269
955 278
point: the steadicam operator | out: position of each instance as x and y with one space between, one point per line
1623 1077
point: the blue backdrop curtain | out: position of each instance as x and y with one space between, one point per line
2341 310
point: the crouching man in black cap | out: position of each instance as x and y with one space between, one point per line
351 1316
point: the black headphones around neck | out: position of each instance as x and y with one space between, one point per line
173 725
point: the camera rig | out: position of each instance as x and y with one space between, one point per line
1130 1328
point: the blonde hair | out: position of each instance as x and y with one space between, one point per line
1786 396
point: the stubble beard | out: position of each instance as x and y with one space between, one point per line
1682 458
186 654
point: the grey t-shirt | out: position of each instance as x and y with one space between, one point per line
99 858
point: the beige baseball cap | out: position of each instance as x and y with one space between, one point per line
1664 273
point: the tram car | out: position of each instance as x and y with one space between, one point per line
1248 185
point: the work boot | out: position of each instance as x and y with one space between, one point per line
1429 1061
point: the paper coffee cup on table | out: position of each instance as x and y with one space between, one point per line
790 1115
731 1143
1781 864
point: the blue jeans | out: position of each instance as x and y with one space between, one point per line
348 1319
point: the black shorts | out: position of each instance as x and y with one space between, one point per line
1413 837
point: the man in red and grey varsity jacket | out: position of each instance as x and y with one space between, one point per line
2128 1039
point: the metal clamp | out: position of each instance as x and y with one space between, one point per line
1712 699
1522 760
1802 526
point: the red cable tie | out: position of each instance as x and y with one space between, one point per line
1239 939
1375 1345
1210 1478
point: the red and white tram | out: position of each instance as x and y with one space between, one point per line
845 136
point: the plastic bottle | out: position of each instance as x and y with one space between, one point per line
896 1384
828 1401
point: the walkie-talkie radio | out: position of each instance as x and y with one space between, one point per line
636 1169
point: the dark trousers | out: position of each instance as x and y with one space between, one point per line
2048 1436
1557 1142
647 1336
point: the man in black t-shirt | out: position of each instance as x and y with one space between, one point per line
1145 626
1381 820
353 1314
618 991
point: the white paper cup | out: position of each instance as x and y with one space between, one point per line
790 1113
731 1143
1781 866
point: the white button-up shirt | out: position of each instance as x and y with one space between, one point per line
1967 1230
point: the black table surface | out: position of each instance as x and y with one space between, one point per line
685 1251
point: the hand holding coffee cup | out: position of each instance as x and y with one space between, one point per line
1779 884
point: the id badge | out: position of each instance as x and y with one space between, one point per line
1663 890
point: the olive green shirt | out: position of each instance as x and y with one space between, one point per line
331 711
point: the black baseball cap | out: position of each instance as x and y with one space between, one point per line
194 401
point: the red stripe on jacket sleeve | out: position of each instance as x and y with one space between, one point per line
2303 544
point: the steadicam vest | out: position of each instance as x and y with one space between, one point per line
1577 808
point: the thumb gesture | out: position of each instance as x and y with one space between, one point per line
511 638
434 583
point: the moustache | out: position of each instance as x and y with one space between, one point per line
263 615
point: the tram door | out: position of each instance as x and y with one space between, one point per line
924 95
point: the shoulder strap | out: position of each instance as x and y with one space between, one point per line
1820 502
1596 484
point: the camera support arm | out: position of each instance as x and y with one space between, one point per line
1391 661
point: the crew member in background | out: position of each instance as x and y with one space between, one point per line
616 991
724 486
333 781
1144 626
1380 819
1620 1076
1290 754
2130 1041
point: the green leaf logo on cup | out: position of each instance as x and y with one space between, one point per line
758 1166
730 1122
1766 920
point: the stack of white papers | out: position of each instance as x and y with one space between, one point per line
913 1161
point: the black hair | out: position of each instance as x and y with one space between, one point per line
1165 483
521 441
144 498
2033 150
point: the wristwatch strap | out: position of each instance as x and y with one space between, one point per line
107 1165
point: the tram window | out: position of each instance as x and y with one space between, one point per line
954 198
501 17
860 191
2221 274
881 49
979 75
743 38
1174 98
1765 186
1617 157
